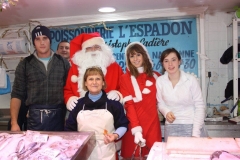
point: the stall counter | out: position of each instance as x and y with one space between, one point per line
218 129
54 141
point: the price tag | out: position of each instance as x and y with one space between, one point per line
42 138
49 152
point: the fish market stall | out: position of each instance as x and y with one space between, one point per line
46 145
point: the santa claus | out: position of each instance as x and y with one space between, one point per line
86 50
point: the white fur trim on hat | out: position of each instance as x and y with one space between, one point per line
93 41
74 78
143 48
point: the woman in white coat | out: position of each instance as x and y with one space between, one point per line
179 98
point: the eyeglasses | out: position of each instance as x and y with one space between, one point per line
93 48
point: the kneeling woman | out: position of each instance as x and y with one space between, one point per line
95 112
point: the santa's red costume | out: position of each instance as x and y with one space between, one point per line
100 55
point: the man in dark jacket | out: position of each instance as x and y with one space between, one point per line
40 78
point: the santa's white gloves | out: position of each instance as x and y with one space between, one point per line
138 137
113 95
71 103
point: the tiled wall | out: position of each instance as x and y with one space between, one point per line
218 37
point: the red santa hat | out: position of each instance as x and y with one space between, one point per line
81 42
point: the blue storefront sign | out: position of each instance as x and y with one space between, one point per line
156 35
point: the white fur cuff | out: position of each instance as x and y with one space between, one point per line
135 100
136 129
127 98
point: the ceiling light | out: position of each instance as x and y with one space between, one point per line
106 9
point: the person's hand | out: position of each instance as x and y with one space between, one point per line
71 103
110 138
113 95
138 137
170 117
15 127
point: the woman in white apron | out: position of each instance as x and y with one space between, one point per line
95 112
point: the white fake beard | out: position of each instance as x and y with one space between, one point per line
86 60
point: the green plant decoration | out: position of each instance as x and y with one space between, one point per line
237 9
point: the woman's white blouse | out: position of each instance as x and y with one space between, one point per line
184 100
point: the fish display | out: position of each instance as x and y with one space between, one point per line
33 145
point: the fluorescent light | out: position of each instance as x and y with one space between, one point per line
106 9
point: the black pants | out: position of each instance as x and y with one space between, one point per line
46 117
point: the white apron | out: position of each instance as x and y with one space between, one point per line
98 120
